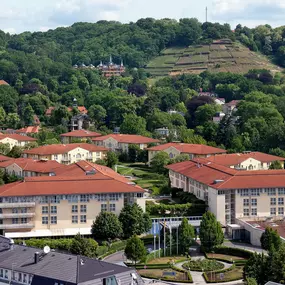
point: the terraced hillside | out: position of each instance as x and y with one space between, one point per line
220 56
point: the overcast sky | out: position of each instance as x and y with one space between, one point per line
40 15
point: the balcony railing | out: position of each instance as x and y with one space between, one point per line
16 215
16 226
17 205
66 159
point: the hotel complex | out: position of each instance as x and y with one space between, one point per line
66 203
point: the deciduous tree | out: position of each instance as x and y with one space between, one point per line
135 249
186 235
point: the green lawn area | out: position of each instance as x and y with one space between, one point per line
161 274
224 257
163 61
144 175
234 274
173 50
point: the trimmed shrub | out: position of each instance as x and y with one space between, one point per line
233 251
203 265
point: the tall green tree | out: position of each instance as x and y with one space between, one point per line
211 233
275 165
106 226
186 235
270 239
83 246
133 124
135 249
159 161
134 221
112 159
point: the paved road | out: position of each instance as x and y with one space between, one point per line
245 246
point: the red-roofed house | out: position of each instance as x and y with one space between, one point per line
231 106
26 167
16 140
67 153
121 142
4 158
232 194
28 130
3 82
62 205
81 109
78 134
247 160
174 149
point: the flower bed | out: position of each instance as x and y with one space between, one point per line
203 265
231 274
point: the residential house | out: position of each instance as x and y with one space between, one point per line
121 142
193 150
81 109
20 264
64 204
82 135
110 69
230 107
3 82
27 167
16 140
218 117
28 130
165 132
232 194
79 122
247 160
67 153
4 158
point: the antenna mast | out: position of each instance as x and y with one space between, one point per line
206 14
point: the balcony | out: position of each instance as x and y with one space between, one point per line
17 205
16 226
17 215
66 159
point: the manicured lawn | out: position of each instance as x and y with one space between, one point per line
165 260
160 274
234 274
224 257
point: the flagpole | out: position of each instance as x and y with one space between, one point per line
164 238
159 240
170 237
154 236
177 238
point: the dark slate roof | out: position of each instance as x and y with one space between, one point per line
63 267
4 243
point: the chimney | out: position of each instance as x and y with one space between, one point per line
37 257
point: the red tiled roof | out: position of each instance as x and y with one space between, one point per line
81 134
237 158
189 148
4 158
233 103
279 226
63 148
28 164
3 82
52 185
135 139
207 172
80 168
17 137
29 130
81 109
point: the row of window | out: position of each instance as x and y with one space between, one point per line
78 155
253 212
272 201
253 202
280 211
19 210
53 220
16 221
257 191
16 276
273 211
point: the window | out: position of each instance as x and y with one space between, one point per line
15 221
83 219
15 211
281 211
24 210
281 191
24 220
72 198
44 220
103 197
255 192
243 192
253 202
272 201
53 209
103 207
75 219
246 212
1 273
74 209
44 200
246 202
25 280
280 201
6 274
112 207
273 211
53 220
55 157
84 198
44 209
254 212
55 199
83 209
271 191
20 277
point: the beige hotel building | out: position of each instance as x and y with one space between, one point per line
65 204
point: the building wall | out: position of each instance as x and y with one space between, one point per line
217 204
72 156
13 142
254 164
14 169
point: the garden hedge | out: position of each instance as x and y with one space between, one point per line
233 251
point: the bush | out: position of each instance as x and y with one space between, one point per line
233 251
203 265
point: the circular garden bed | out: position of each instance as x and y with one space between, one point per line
203 265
